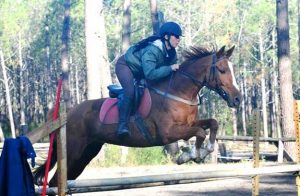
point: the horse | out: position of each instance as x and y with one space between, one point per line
173 115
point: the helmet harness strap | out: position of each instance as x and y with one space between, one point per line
168 40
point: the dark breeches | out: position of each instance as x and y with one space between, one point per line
125 77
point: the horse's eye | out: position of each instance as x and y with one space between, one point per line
222 71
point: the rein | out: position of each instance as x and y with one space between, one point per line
174 97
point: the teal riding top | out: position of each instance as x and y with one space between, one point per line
150 62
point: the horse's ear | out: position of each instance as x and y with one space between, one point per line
220 52
229 52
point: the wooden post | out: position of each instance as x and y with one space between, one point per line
255 179
47 128
62 135
62 161
280 151
297 128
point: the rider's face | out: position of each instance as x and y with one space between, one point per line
174 40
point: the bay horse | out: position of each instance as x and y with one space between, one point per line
173 115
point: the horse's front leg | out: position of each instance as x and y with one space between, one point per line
199 153
195 151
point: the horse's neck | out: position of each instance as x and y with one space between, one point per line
182 86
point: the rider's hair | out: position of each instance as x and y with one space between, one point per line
144 43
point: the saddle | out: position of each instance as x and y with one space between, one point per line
109 112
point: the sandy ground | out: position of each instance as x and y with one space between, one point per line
279 184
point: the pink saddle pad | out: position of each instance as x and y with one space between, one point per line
109 112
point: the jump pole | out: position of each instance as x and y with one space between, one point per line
74 186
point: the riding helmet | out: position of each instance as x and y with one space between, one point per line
170 28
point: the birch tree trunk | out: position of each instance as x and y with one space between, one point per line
154 16
98 72
234 122
285 75
126 30
7 95
243 78
188 31
22 93
276 106
76 84
1 134
263 87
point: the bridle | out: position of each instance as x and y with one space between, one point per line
212 77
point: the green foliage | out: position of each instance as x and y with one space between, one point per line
112 156
135 157
147 156
38 25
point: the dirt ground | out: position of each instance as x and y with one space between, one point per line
279 184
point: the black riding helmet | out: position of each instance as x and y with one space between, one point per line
170 28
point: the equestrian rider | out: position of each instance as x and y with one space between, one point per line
152 59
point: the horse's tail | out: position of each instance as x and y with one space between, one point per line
39 173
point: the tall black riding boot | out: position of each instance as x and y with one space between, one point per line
124 116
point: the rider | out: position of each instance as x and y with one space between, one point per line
152 58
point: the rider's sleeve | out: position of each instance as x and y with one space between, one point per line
151 68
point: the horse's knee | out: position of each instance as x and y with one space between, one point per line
200 134
214 125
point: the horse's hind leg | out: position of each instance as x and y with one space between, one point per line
76 164
76 167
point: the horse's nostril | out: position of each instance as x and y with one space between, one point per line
237 101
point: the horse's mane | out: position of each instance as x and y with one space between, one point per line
196 52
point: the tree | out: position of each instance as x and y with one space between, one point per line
285 74
62 135
126 30
98 73
1 134
154 16
8 98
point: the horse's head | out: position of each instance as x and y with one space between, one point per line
211 69
221 77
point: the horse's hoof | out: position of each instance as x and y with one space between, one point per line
183 158
198 160
185 149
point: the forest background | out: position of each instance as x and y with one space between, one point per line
30 44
